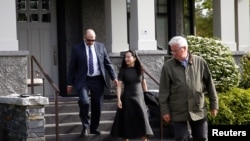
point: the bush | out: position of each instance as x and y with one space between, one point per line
245 74
220 60
234 108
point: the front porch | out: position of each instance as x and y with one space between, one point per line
48 118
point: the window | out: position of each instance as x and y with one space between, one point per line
33 11
161 24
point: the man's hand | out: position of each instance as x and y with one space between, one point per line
69 89
166 118
115 81
214 112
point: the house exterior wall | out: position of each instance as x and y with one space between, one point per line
8 30
231 23
231 20
13 72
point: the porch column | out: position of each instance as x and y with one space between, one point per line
8 29
224 22
242 19
142 25
116 25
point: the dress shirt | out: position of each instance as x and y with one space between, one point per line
95 60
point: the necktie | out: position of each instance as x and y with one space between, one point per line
91 66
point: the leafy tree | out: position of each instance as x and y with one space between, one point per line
219 57
204 18
245 66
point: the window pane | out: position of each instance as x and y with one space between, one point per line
46 18
21 4
162 2
33 4
162 31
22 17
46 4
34 18
162 9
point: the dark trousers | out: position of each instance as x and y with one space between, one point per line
91 95
191 130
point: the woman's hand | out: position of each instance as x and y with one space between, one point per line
119 104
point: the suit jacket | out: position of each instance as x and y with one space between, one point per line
78 65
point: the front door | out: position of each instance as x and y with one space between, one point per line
36 32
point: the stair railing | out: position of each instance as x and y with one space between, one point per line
51 82
158 83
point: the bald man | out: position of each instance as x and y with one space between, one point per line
86 74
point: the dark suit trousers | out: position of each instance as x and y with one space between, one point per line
91 95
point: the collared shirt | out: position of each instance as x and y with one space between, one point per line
185 62
95 60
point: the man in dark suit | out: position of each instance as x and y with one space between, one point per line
86 73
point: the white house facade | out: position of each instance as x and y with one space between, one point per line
49 28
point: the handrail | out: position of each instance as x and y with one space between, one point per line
138 58
158 83
51 82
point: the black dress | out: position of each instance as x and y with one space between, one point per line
132 120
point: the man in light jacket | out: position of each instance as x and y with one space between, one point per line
184 83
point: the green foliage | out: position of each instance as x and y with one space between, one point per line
220 60
204 18
205 4
234 108
204 26
245 75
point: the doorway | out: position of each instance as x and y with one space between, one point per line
37 33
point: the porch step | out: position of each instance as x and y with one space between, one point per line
74 127
72 106
104 137
74 117
70 125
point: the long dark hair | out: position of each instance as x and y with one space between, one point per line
138 66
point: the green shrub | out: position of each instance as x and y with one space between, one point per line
234 108
219 57
245 74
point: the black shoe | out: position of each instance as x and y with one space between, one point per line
95 132
84 132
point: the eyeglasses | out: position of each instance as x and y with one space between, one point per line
177 50
89 40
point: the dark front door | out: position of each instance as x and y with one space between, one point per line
69 33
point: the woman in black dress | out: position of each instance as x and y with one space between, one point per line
131 120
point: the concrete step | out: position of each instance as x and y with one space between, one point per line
70 125
74 117
104 137
72 106
77 137
75 127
